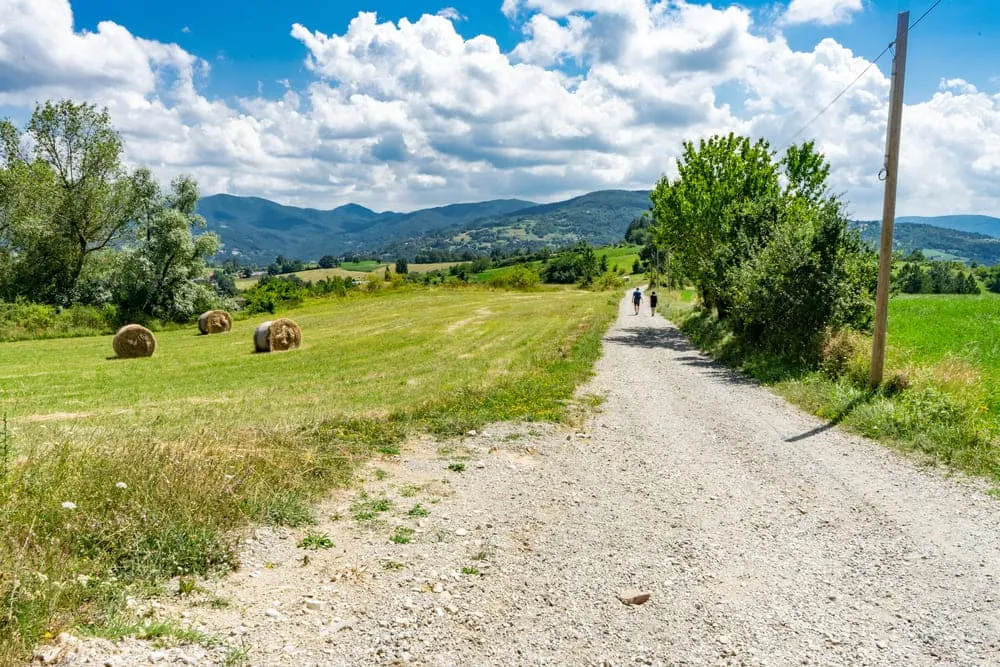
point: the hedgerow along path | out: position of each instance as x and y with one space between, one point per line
127 471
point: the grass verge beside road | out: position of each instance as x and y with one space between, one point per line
943 357
119 473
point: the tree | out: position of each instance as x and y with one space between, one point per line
720 210
65 198
764 241
328 262
156 274
401 266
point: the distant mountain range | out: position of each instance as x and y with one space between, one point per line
937 240
258 230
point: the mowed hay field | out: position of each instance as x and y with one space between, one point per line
354 270
119 473
960 333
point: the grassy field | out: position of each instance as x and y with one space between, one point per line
118 473
933 329
359 270
618 258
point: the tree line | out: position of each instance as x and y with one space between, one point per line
77 227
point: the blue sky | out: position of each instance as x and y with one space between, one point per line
319 103
249 41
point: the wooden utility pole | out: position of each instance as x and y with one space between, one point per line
889 200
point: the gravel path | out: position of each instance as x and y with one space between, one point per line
763 537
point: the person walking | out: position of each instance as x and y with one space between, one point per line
652 303
637 299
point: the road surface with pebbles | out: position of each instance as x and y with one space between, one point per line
762 535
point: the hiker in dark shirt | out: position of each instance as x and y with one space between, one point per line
636 299
652 303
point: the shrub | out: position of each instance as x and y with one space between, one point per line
271 293
517 278
846 353
812 274
609 281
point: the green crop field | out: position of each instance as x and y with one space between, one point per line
933 328
130 471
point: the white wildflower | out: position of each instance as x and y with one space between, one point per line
121 485
69 505
82 579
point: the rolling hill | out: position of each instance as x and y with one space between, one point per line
938 242
259 229
974 224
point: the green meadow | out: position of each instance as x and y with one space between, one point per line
119 473
956 330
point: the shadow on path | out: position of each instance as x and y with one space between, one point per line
839 417
673 339
651 338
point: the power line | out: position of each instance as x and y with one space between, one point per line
841 93
859 77
924 15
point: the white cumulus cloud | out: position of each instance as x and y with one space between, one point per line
596 94
824 12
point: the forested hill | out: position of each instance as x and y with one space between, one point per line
260 229
936 242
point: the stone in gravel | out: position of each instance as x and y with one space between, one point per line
461 532
157 656
315 605
480 464
438 588
633 596
273 613
49 655
340 625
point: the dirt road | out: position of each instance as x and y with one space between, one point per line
763 536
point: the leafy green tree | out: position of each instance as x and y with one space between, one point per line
156 276
401 267
328 262
718 211
764 241
65 198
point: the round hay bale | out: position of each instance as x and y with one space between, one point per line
277 336
134 340
214 322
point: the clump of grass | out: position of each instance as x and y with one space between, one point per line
470 570
316 541
480 555
380 474
418 510
186 585
403 535
410 490
456 467
393 565
370 508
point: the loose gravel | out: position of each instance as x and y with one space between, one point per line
762 536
